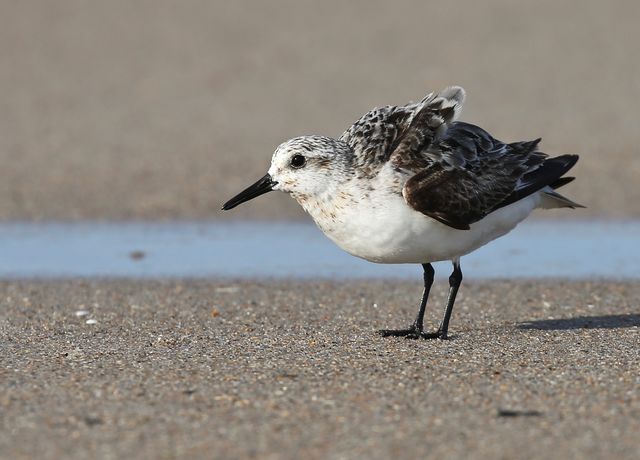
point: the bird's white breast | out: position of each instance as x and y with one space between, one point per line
380 226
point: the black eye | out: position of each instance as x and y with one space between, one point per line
298 161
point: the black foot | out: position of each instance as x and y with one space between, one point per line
413 333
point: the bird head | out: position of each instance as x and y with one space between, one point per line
303 166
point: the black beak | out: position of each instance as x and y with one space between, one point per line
261 187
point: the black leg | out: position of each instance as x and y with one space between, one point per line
416 329
428 273
455 279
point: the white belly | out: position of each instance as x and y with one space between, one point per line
395 233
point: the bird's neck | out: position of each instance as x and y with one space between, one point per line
326 208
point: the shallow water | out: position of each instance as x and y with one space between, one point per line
583 249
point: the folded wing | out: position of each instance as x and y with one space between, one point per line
470 174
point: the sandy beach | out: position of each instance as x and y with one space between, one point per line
164 110
295 370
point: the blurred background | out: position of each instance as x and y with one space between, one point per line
160 109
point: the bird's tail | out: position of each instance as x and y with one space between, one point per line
552 199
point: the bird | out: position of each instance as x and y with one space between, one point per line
410 184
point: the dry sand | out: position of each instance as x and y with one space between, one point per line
295 370
163 109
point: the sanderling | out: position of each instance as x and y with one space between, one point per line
409 184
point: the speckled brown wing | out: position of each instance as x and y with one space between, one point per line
384 131
458 197
458 173
372 137
469 174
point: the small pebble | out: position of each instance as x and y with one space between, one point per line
91 321
137 255
81 313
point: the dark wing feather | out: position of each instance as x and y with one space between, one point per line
549 173
470 174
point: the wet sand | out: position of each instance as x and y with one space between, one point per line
294 370
164 110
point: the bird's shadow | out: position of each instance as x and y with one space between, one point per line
583 322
